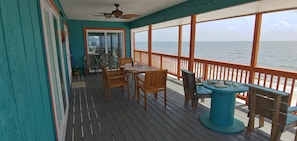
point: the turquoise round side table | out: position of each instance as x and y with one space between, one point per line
221 116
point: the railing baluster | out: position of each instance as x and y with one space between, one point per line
240 76
285 84
277 83
265 77
259 78
292 90
271 81
232 69
236 75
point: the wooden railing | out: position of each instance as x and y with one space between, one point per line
210 69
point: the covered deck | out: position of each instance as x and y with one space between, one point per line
93 117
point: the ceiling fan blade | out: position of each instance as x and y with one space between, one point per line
106 15
129 16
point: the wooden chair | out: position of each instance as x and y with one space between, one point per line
192 91
271 104
123 61
91 62
114 79
153 82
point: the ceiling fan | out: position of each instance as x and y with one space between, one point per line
118 14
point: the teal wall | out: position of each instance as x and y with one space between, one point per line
76 37
25 103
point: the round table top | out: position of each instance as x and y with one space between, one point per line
226 86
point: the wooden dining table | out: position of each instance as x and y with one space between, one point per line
137 68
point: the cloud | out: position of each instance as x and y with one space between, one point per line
231 29
295 27
282 25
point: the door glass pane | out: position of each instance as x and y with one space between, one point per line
96 43
113 44
58 49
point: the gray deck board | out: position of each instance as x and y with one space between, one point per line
98 119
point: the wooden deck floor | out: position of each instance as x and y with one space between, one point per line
94 118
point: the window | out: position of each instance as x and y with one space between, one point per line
227 40
278 42
141 41
165 40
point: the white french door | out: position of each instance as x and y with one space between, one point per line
56 67
104 41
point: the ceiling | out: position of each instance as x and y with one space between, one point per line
92 10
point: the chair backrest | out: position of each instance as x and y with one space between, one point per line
90 61
269 103
104 58
189 82
155 79
123 61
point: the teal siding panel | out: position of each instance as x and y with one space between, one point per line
9 124
25 100
36 65
47 125
17 66
76 36
30 63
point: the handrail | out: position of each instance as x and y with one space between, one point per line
212 69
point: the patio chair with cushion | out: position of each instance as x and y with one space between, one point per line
192 91
273 105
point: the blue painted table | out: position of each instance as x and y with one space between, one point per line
221 116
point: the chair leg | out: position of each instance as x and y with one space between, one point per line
156 95
122 89
186 100
137 94
144 101
109 94
277 134
248 130
194 102
261 121
165 98
202 99
295 139
128 92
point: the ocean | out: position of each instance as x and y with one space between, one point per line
272 54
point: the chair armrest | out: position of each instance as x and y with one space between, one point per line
117 76
139 78
292 109
112 73
198 79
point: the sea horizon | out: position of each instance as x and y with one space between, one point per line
272 54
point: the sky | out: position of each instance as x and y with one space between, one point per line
276 26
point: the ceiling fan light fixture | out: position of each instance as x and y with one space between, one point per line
117 13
